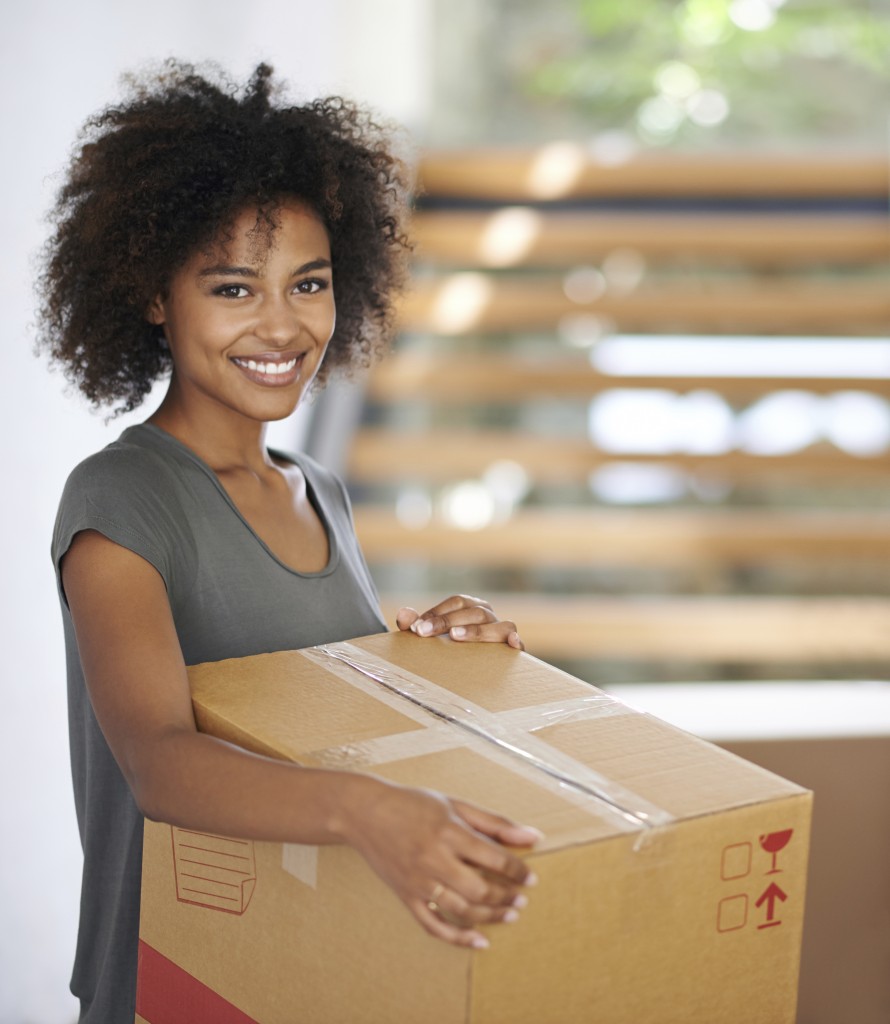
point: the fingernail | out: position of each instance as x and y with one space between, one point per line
480 942
531 878
414 625
458 632
424 628
510 916
520 901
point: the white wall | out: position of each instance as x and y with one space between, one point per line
59 62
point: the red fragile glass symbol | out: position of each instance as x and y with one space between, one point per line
773 842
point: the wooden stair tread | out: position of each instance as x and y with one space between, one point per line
454 376
567 170
544 537
475 302
723 629
379 454
517 236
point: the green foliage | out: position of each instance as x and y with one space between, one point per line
702 71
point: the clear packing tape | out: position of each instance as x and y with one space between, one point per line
507 736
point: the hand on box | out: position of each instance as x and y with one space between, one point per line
463 618
444 859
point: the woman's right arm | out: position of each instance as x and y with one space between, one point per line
422 844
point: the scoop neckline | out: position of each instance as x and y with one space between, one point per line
291 457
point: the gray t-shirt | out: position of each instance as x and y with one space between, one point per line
230 597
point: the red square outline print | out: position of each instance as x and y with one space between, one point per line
736 861
732 913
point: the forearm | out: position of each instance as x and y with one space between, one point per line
200 782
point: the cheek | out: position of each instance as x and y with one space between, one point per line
196 339
325 321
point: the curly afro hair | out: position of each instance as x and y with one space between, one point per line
165 174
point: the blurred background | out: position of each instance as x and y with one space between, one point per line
640 397
643 375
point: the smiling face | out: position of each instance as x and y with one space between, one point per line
248 324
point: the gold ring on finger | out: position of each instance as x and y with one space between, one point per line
432 901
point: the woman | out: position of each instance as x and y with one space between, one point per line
206 231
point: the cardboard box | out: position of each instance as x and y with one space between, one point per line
672 875
833 738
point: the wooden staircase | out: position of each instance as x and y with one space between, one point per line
764 564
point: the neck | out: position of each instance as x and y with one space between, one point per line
224 439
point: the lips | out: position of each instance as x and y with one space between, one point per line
270 370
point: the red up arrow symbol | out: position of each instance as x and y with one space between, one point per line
772 894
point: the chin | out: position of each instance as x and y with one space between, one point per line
273 407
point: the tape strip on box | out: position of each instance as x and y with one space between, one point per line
509 734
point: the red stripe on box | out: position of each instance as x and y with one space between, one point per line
166 994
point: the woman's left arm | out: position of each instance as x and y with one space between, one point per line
463 618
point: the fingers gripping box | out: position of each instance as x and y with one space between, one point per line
671 878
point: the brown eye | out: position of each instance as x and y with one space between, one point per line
311 285
231 291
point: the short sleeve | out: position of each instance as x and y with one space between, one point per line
133 499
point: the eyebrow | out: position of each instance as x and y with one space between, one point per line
225 270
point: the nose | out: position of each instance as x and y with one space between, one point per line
278 324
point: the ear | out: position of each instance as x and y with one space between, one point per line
155 314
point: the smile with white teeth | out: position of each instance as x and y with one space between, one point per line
267 368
